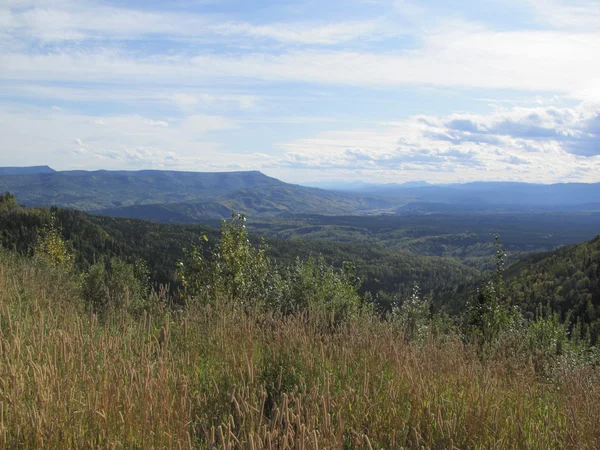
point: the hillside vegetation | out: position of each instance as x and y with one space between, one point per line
192 197
159 246
183 197
568 280
257 358
465 236
285 344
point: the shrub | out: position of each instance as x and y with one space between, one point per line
116 285
490 315
52 247
234 271
237 272
412 317
326 293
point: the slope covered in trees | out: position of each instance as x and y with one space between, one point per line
190 197
160 246
177 196
568 280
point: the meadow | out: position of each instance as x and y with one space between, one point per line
218 376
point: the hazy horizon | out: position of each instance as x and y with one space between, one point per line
323 184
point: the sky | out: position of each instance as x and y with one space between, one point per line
306 91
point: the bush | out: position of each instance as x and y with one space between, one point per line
52 247
239 273
116 285
326 293
234 271
412 317
490 315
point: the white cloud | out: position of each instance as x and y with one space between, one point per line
187 99
202 124
308 33
65 52
551 61
544 144
454 53
79 21
67 140
571 14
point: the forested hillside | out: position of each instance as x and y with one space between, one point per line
468 237
390 260
96 238
105 189
568 280
268 201
183 197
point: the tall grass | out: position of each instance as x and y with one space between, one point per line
218 378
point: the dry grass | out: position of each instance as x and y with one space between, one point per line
217 379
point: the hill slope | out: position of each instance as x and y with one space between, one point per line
284 199
25 170
95 238
182 197
107 189
567 279
187 197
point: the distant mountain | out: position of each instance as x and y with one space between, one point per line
92 191
501 194
424 207
263 201
25 170
188 197
361 186
181 197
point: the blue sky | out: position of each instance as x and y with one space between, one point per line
372 90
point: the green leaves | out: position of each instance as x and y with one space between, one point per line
490 314
52 247
233 271
116 285
238 272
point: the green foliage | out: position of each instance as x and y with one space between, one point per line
241 273
94 288
8 202
568 280
214 378
52 247
241 270
412 316
116 285
555 347
234 271
490 315
464 235
328 294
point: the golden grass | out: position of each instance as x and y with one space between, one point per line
220 379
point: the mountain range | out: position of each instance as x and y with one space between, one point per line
190 197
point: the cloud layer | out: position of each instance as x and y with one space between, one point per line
282 88
542 144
